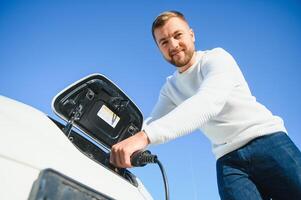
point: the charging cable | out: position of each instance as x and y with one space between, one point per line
141 158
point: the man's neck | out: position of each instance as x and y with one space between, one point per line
189 64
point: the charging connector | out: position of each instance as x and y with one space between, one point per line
142 158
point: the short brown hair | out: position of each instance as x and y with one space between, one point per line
162 18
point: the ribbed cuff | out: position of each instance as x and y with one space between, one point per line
152 134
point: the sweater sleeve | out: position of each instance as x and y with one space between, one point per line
163 106
220 75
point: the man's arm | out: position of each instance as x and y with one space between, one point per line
220 76
163 106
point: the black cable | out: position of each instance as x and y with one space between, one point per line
141 158
164 179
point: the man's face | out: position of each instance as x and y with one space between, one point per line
176 42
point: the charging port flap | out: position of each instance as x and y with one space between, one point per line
97 107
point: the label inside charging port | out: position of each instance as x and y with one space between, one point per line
108 116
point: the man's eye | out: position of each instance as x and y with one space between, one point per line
178 35
163 43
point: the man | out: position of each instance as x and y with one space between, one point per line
255 157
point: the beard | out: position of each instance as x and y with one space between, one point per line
188 54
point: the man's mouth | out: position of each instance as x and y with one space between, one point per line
173 53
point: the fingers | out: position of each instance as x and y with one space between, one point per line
120 156
122 151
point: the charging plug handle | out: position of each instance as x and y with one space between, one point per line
141 158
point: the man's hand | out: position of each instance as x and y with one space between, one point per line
122 151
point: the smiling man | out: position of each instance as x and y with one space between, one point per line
255 157
176 34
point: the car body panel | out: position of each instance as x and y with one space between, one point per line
31 142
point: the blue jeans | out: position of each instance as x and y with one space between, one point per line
268 167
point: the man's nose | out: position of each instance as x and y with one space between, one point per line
174 44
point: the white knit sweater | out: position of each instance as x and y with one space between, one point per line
212 95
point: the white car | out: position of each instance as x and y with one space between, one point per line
40 158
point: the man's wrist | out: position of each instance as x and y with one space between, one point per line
145 136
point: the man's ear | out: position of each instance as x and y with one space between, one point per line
192 34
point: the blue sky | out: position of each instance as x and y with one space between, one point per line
47 45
